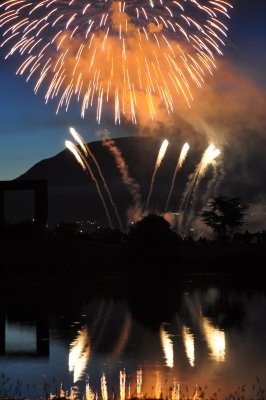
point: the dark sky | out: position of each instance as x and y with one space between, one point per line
30 130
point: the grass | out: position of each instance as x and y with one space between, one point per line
9 391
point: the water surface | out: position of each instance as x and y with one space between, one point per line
189 336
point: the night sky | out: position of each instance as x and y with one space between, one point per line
30 131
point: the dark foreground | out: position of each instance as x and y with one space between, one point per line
66 257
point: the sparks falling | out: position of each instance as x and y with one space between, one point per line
71 147
158 162
210 154
87 169
180 162
189 195
79 140
162 152
88 153
129 55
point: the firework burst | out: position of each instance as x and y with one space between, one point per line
131 55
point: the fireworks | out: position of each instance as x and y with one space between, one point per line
208 156
136 211
162 152
158 162
88 153
189 195
71 147
130 54
130 182
87 169
180 162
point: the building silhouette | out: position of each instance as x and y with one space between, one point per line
39 187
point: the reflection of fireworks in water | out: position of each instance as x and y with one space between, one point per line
158 386
104 387
168 347
210 154
88 153
89 395
175 395
139 55
215 339
122 376
139 382
180 162
82 161
189 344
159 159
79 354
61 391
172 392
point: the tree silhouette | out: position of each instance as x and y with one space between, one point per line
225 215
153 229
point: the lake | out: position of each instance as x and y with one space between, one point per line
142 342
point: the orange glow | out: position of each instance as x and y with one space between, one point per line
175 395
158 386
